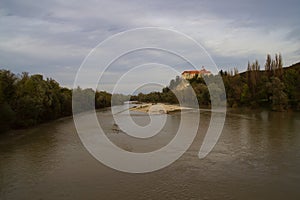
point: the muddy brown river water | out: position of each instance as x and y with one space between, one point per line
256 157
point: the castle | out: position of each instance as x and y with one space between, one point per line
192 73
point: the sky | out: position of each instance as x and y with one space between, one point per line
53 37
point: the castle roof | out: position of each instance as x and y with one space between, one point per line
202 71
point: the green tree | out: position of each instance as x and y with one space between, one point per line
7 93
30 99
278 96
268 65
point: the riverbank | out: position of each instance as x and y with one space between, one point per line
158 108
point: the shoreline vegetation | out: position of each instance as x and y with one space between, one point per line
274 88
27 100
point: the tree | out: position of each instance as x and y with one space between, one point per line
279 66
7 116
253 78
278 96
103 99
28 100
7 93
31 100
65 99
268 64
245 95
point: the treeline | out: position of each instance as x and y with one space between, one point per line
29 100
179 90
166 96
274 87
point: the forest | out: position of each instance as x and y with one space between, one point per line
275 88
27 100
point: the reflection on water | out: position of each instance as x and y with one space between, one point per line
256 157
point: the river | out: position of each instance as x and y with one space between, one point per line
256 157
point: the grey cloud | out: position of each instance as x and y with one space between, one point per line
294 34
57 35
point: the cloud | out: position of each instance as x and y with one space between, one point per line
53 37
